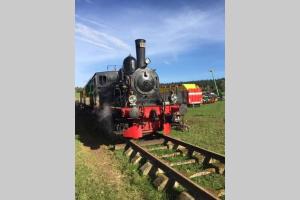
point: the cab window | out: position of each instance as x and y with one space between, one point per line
102 80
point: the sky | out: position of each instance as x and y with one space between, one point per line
184 39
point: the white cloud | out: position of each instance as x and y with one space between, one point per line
98 38
168 33
97 23
176 32
166 62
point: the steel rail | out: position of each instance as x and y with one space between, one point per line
197 191
206 152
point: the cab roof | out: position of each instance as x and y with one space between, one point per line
190 86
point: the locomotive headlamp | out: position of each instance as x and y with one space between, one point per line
173 98
147 61
132 99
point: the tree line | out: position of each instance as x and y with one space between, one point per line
206 85
78 89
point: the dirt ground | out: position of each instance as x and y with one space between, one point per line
103 165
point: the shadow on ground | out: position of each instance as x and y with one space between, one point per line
91 133
87 130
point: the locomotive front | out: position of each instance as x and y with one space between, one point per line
143 82
141 109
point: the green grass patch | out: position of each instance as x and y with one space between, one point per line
207 124
90 186
190 168
86 185
136 182
178 158
162 152
207 130
211 181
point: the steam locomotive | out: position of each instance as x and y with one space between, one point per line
128 101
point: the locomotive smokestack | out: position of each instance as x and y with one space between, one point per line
140 53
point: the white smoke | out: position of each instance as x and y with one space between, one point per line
105 119
104 113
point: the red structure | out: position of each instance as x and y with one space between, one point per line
190 94
194 94
150 120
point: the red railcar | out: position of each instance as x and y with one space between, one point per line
190 94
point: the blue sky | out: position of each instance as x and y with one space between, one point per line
184 39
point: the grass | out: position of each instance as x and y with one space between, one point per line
136 181
162 152
178 158
212 181
189 169
92 186
207 124
88 186
207 131
96 180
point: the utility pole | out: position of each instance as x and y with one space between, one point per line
212 73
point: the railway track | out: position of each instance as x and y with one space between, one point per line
179 165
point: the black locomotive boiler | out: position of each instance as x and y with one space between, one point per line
128 100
